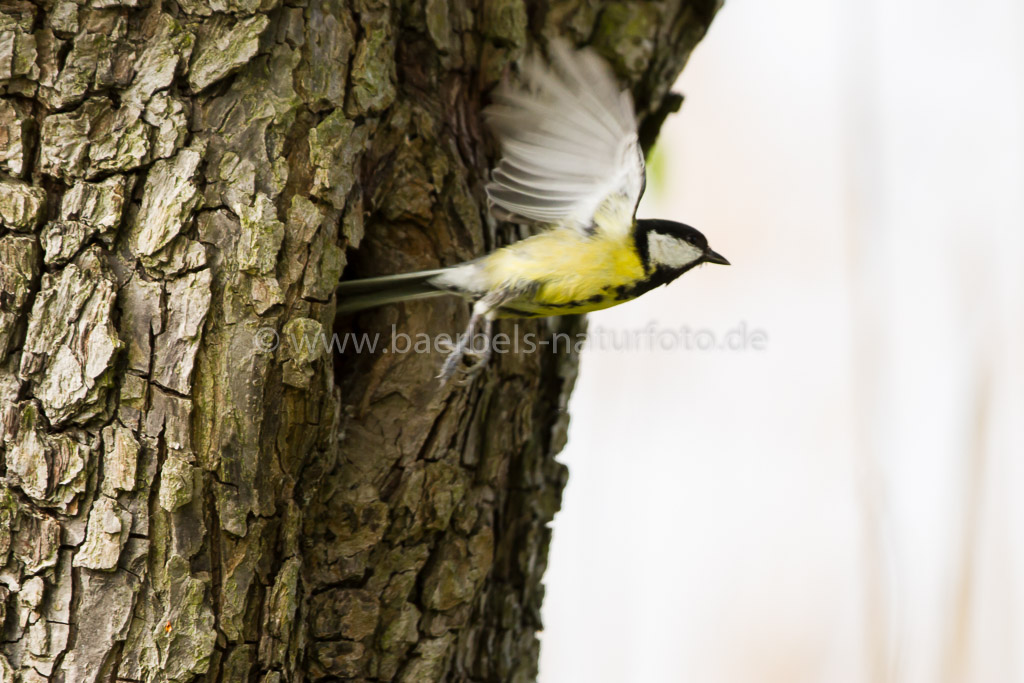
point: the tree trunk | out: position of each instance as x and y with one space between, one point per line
195 487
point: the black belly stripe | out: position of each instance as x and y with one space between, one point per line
620 293
661 276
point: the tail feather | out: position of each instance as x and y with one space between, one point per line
356 295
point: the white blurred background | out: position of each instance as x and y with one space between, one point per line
846 504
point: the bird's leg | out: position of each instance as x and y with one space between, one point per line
464 344
482 357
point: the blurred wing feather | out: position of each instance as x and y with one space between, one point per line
568 141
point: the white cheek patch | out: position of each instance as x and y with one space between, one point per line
666 250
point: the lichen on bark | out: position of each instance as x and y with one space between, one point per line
196 484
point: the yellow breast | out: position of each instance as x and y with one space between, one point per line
564 271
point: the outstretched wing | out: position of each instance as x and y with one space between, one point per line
568 140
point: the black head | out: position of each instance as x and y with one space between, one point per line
674 245
674 229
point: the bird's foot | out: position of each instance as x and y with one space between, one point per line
451 364
477 363
466 350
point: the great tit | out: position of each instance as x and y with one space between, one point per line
570 163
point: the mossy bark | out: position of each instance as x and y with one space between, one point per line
194 488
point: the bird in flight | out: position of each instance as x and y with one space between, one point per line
571 164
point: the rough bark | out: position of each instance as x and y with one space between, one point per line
192 491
